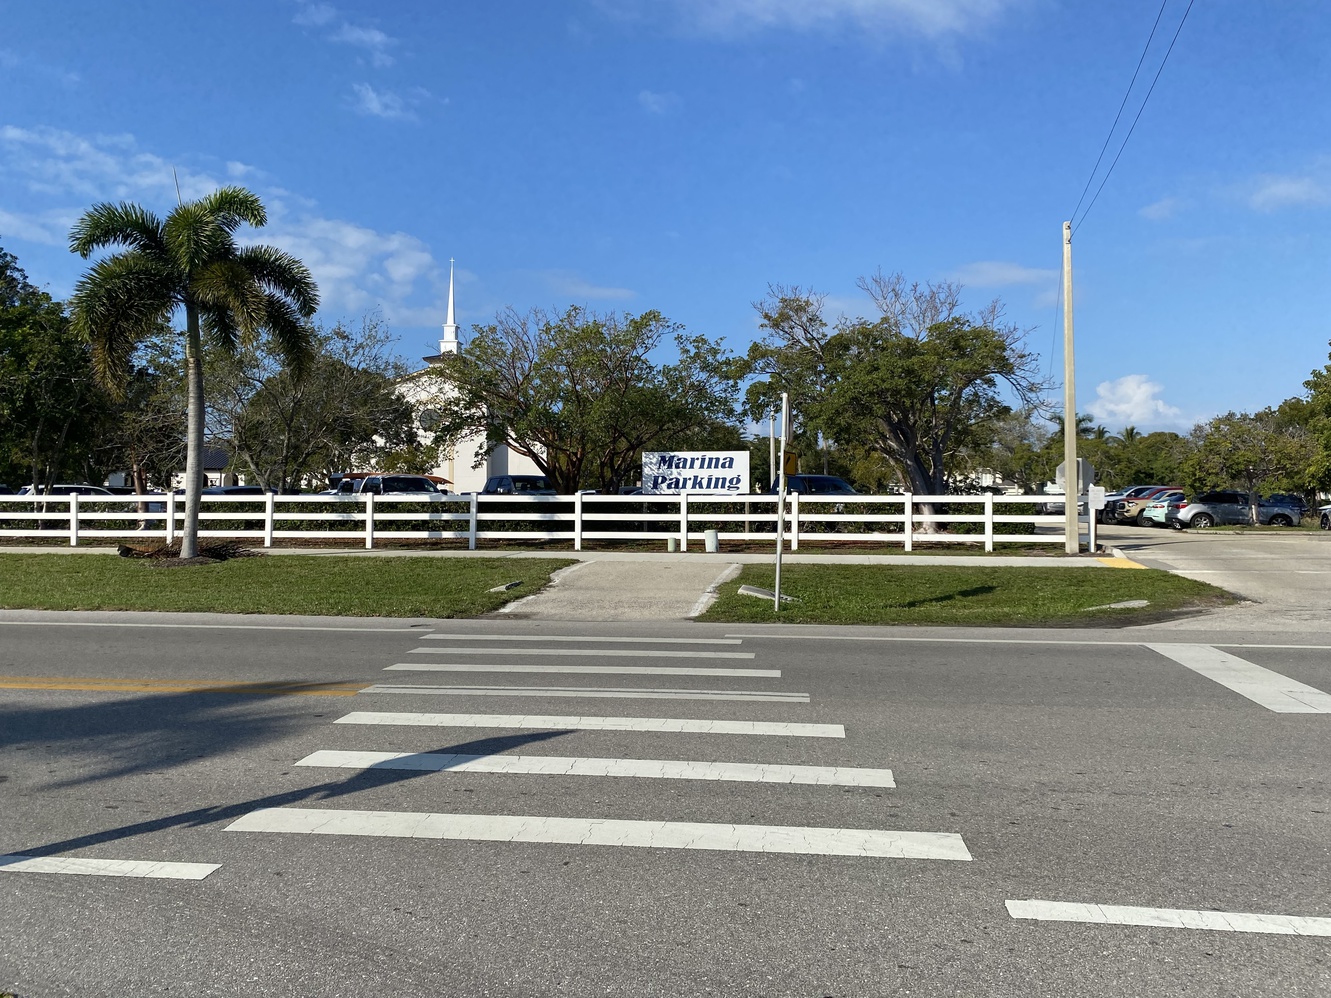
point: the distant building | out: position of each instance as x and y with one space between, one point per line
427 391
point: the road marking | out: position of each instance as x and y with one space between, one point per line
597 670
1270 689
590 652
83 866
660 769
576 637
1120 563
421 631
179 686
627 693
866 842
911 639
576 723
1170 918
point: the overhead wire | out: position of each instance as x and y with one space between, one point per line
1122 104
1151 90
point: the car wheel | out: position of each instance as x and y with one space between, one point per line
1142 521
1326 521
1202 520
1281 520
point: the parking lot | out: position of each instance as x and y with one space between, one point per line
1285 577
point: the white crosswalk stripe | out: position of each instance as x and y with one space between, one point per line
662 769
573 722
86 866
864 842
1260 685
1170 918
591 652
591 692
600 639
586 670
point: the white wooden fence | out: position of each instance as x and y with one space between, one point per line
581 519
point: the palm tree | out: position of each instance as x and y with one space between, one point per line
190 261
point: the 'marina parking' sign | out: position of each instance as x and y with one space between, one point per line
719 472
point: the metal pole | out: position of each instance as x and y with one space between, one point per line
781 500
771 446
1071 480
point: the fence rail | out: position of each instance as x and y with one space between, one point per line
581 519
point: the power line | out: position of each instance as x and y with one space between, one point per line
1124 103
1154 81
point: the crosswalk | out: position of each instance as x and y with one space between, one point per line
569 654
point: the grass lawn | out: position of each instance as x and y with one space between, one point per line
298 584
943 595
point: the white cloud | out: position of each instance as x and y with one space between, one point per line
934 19
9 59
570 285
357 268
1273 192
315 15
1001 274
382 103
1158 211
237 169
374 41
655 103
1133 400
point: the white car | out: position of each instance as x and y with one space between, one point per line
1324 517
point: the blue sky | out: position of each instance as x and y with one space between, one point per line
682 154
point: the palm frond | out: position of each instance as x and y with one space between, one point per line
282 274
124 224
219 328
120 301
232 207
226 284
292 337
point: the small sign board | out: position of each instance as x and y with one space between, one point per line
1096 495
718 472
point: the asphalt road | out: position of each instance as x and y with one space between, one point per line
1095 772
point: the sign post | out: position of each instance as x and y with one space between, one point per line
781 499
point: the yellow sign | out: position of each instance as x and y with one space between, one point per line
792 466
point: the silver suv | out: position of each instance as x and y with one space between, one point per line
1212 509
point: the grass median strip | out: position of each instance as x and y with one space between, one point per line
947 595
295 584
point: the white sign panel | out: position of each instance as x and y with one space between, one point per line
723 472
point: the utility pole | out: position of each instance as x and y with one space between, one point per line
1071 480
781 500
771 444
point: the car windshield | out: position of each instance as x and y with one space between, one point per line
401 483
531 483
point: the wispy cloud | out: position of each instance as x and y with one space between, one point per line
374 41
1160 210
570 285
357 268
315 15
385 103
1272 192
1001 274
655 103
1134 400
11 60
933 19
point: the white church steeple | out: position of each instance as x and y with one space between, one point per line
450 344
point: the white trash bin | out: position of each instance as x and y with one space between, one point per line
711 541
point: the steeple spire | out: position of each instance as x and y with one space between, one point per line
450 344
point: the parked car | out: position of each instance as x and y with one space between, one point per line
381 485
1231 507
1129 508
816 485
236 490
519 485
1324 517
1288 499
67 490
1156 511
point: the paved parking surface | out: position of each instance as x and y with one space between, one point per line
1285 577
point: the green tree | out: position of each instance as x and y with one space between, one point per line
341 411
1260 452
581 395
920 386
189 262
50 404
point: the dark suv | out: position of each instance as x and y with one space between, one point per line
398 485
518 485
816 485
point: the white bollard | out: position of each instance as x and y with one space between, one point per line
711 541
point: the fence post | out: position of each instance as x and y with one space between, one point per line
1090 525
683 521
369 520
988 521
794 521
268 510
170 516
908 518
577 521
74 520
471 523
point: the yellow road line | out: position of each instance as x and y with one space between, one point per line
179 686
1119 563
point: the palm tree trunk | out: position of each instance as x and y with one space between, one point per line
189 538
